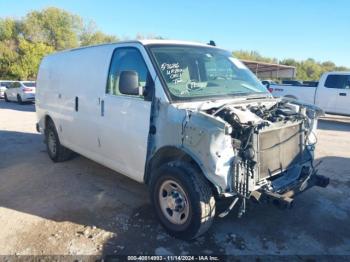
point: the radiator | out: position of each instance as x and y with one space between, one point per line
279 149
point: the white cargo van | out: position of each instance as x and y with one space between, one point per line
187 119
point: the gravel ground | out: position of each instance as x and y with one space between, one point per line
81 207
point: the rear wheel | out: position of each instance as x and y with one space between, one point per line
19 99
6 99
183 200
56 151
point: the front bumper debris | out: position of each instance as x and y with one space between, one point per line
285 199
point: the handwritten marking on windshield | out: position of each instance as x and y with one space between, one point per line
173 71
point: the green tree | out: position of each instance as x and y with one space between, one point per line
328 66
8 57
54 27
24 42
9 29
28 60
253 56
289 62
92 36
308 69
97 38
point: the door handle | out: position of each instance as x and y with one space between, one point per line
342 94
76 104
102 107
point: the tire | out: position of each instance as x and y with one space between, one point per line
55 150
19 100
183 200
6 99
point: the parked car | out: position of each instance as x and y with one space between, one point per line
332 93
20 91
187 119
3 86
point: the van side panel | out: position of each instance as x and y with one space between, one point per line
69 76
81 75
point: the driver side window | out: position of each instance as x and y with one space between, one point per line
338 81
126 59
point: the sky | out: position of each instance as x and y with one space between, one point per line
296 29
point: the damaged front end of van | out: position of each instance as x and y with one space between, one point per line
256 149
221 122
261 149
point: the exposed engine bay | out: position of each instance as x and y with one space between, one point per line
273 142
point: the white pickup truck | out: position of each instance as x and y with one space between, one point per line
332 93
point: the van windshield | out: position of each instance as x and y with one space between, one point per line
193 72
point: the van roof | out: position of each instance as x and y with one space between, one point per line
144 42
170 42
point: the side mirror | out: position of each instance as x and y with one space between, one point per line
129 83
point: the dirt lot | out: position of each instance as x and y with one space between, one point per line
80 207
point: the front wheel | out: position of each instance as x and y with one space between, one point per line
182 199
6 99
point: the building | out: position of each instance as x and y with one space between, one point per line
269 70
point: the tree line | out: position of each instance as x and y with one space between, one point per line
24 42
308 69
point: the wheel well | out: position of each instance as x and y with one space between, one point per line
164 155
47 120
168 154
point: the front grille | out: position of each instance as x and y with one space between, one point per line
279 149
